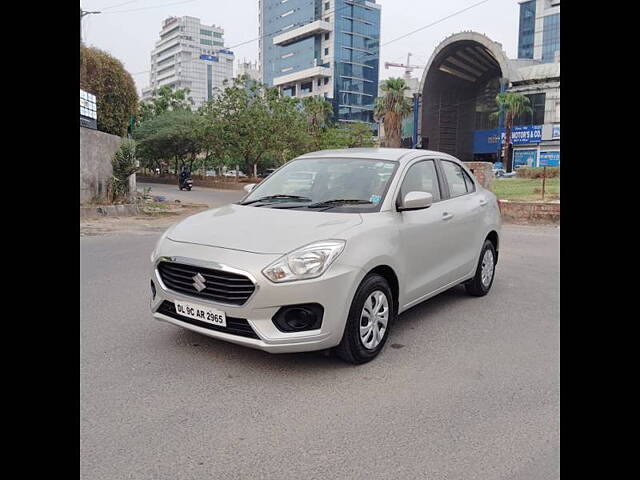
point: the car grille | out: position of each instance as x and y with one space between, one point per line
220 286
235 326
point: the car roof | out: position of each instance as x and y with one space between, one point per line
390 154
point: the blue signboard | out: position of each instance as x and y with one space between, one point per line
525 134
524 158
209 57
486 141
228 52
555 133
550 159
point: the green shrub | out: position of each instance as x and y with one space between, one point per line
536 172
114 88
124 165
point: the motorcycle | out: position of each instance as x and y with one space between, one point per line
186 184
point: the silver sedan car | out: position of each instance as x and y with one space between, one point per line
328 250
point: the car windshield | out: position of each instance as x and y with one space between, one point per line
357 185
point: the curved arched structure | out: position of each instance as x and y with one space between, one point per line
459 86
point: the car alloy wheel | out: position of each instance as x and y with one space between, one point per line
374 319
487 268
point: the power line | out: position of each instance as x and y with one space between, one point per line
119 4
152 7
382 44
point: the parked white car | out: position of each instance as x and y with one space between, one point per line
376 232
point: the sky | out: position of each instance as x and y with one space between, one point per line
128 30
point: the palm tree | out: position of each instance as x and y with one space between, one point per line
511 105
391 108
318 111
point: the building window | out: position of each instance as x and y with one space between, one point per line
326 81
289 91
550 37
306 87
326 51
208 33
327 36
537 101
326 5
319 82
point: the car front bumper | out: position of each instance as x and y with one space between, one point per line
333 290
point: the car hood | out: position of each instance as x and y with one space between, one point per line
261 230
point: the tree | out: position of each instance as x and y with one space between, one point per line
358 135
175 136
116 96
165 99
317 111
248 123
511 105
391 108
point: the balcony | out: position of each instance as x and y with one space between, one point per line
300 33
301 75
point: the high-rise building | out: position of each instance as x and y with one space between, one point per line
328 48
539 35
189 55
251 69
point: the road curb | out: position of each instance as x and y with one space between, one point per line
99 211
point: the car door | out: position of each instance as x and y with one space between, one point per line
424 235
463 211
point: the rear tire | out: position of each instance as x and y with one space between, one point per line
372 303
482 281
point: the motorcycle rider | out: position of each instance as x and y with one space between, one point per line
184 175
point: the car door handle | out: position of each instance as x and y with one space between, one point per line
483 202
447 216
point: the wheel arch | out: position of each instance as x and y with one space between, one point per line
389 274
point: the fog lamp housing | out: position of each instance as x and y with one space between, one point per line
299 318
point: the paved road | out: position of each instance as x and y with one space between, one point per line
470 391
206 196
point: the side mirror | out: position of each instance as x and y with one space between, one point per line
415 201
248 187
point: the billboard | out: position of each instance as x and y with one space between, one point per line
486 141
550 159
524 158
88 110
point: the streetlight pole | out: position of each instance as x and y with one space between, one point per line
84 13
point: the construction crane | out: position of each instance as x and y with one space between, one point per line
408 68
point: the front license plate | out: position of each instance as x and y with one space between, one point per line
202 313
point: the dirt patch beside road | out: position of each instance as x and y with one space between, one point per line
154 219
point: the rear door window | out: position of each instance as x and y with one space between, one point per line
455 178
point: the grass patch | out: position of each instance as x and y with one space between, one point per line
526 189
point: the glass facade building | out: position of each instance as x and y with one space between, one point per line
328 48
527 29
539 30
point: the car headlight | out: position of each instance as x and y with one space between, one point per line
309 261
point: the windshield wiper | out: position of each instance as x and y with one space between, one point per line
296 198
339 201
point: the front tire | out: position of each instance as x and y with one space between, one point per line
371 316
482 281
